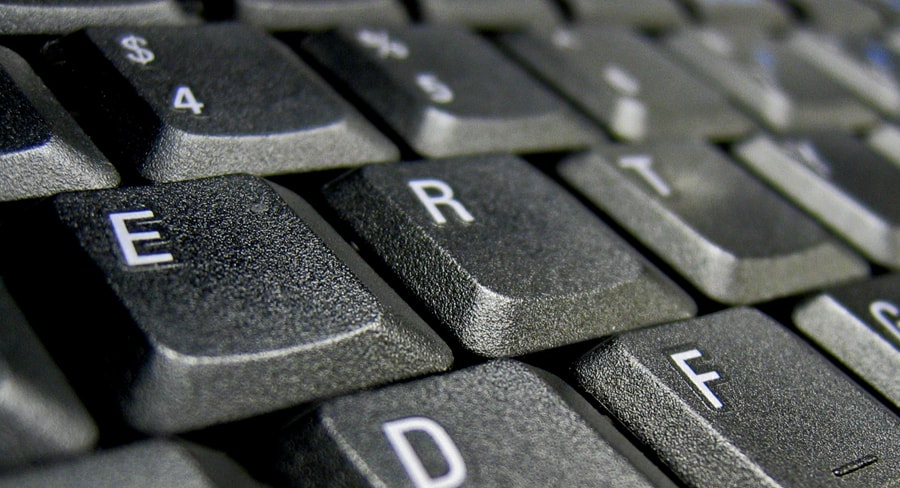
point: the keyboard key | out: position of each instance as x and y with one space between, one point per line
764 14
63 16
281 15
217 302
838 180
473 427
734 399
150 464
40 416
504 259
847 16
42 149
448 92
864 66
885 139
195 113
642 13
490 14
623 82
776 85
731 236
859 325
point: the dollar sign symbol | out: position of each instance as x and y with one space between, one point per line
136 51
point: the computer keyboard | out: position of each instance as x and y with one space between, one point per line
442 243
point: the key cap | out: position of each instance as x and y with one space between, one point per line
885 140
473 427
847 16
490 14
447 92
167 109
734 399
212 300
151 464
280 15
864 66
42 150
40 416
859 324
620 80
889 9
764 14
772 83
723 230
505 260
63 16
838 180
641 13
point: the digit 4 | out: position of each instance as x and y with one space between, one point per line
185 100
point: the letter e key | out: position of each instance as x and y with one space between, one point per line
127 238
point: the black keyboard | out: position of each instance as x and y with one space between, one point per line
443 243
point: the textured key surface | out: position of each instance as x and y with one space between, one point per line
838 180
648 13
860 325
194 112
449 93
225 304
150 464
762 13
864 65
316 14
848 16
62 16
40 416
625 83
784 91
42 149
731 236
497 424
502 257
755 408
497 14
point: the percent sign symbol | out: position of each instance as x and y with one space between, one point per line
382 43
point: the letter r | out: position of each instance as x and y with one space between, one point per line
444 196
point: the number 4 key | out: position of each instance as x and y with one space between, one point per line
178 104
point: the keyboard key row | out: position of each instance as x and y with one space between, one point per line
688 390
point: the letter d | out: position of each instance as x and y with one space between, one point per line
396 430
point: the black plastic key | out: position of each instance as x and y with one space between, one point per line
63 16
642 13
726 232
734 399
765 14
280 15
623 82
490 14
212 300
449 93
40 416
150 464
781 88
505 259
502 424
164 106
42 149
836 178
860 325
864 65
846 16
